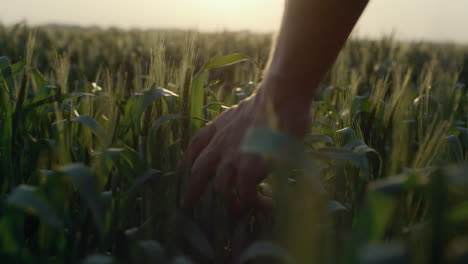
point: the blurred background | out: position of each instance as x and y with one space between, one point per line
432 20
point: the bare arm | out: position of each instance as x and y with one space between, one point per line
311 35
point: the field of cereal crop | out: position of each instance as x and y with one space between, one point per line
93 123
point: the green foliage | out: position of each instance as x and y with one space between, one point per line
93 125
265 249
27 198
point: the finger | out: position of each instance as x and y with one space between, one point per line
252 171
201 139
263 202
202 171
225 171
225 185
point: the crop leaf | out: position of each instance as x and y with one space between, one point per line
88 189
98 259
225 61
95 127
26 197
265 249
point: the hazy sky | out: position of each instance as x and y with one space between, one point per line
410 19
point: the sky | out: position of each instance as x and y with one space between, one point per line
436 20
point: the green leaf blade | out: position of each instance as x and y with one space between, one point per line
225 61
26 197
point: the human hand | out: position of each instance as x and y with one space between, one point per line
214 152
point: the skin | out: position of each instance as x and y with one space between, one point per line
311 36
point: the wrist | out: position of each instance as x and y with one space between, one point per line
286 95
287 109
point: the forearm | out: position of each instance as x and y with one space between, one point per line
311 36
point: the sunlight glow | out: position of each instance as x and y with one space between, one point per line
415 19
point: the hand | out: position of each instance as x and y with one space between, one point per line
214 152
